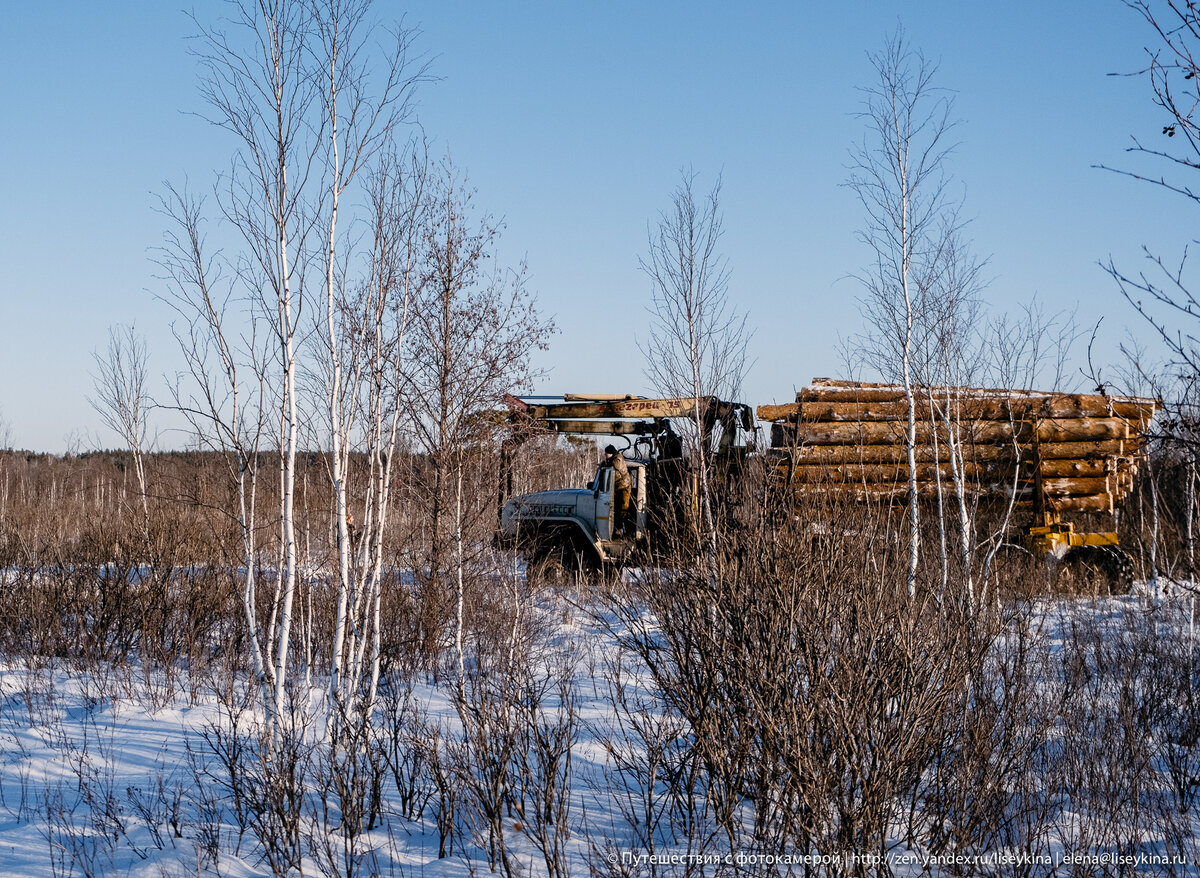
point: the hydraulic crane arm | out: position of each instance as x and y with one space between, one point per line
616 415
565 416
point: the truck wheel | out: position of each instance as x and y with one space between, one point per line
549 569
559 564
1121 570
1018 574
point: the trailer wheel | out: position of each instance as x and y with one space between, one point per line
1018 574
1094 570
1121 570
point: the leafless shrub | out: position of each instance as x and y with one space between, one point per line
1127 733
518 713
21 803
87 819
548 733
651 775
275 777
986 789
814 686
75 839
160 807
1179 741
483 760
443 771
402 657
229 742
346 775
207 807
410 749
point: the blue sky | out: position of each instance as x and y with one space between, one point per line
573 121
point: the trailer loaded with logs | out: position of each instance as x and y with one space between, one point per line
1040 458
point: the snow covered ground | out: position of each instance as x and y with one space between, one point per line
111 772
115 772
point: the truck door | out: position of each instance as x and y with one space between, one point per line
602 491
637 475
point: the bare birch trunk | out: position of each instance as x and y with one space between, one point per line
1190 536
914 511
459 620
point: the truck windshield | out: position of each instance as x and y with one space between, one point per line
603 479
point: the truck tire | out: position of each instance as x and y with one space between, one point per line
1018 574
556 561
548 570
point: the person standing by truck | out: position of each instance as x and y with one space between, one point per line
622 489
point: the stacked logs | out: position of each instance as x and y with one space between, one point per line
1074 452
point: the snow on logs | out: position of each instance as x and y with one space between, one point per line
850 438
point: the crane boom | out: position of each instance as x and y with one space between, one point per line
566 417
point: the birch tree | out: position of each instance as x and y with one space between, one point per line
309 105
223 394
953 357
122 400
374 318
362 106
475 325
697 342
898 173
259 88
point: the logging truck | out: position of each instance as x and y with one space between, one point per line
1041 458
575 529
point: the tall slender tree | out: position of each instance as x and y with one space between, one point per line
697 343
122 399
309 105
360 117
475 325
898 172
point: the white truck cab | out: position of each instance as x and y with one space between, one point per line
577 523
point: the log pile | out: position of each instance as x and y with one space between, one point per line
1077 452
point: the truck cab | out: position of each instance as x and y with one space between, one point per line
575 525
